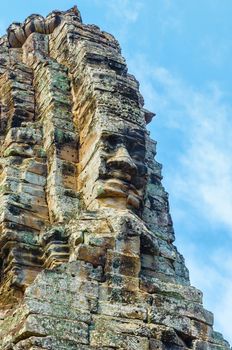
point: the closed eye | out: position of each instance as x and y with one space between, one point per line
139 157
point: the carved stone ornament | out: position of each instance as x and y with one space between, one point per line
87 259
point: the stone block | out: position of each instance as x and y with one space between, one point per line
105 338
94 255
42 326
123 311
87 259
122 264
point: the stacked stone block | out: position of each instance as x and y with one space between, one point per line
23 176
87 257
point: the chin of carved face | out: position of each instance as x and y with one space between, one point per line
125 171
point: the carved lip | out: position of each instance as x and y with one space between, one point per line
119 175
115 187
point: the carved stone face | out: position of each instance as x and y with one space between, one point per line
118 169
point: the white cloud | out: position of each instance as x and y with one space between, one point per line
216 275
216 51
224 310
2 27
127 10
202 172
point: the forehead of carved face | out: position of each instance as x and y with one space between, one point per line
119 172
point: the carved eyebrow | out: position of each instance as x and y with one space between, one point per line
138 147
136 133
130 138
134 141
103 136
114 139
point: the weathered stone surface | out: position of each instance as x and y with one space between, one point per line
87 259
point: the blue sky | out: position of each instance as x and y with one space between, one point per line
180 51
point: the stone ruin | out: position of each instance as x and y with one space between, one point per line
87 259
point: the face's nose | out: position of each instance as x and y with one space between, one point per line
122 160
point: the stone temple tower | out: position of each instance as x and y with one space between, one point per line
87 259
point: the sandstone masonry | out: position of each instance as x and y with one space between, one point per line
87 259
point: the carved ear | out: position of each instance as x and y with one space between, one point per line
34 23
29 26
16 35
52 21
149 244
74 13
148 116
